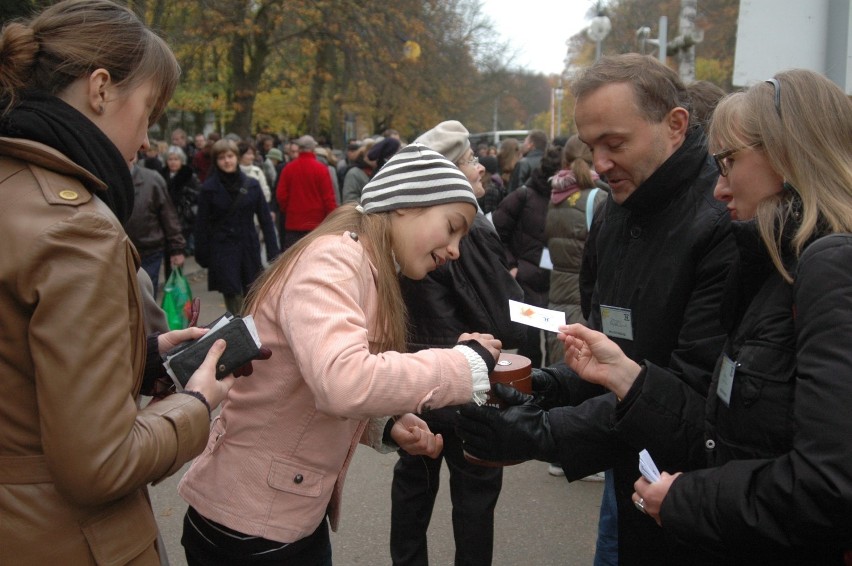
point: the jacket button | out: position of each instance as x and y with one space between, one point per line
635 231
298 478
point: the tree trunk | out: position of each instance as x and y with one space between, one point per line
323 60
248 54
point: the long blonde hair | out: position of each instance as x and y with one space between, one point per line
374 233
807 139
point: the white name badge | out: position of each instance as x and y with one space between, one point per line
617 322
726 379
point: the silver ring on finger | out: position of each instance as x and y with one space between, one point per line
640 505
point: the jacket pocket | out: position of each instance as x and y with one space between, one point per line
759 423
122 531
767 361
296 478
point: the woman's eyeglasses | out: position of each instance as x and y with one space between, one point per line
472 161
722 158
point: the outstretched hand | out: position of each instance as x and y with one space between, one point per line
598 359
412 434
517 433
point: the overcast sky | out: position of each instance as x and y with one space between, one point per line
538 29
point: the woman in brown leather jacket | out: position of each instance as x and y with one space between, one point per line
79 85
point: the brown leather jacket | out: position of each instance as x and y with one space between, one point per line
75 451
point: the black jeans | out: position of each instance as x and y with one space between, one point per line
473 491
207 543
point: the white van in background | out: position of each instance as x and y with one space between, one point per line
494 137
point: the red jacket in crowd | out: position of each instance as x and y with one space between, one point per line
305 193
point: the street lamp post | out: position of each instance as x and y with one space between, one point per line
599 28
558 93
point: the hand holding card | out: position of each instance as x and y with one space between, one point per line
647 467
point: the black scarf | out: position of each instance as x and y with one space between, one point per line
231 181
46 119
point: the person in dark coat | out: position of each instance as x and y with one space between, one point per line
663 249
777 425
183 186
471 292
226 241
520 221
492 183
153 226
533 148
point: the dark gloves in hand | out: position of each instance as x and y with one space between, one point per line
549 386
247 369
519 432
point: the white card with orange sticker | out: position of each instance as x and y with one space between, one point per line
539 317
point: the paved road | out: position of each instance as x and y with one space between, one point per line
540 520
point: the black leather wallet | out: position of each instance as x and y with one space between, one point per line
241 348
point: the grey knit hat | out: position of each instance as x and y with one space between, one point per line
449 138
415 177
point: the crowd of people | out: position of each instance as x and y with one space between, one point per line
697 242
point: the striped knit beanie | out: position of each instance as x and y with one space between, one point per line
415 177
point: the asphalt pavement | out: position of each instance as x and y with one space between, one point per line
540 519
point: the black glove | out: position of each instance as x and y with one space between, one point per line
519 432
550 388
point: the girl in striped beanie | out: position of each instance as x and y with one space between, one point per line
331 311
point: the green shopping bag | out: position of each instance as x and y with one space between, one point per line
177 300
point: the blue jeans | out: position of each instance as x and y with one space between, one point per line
151 264
606 549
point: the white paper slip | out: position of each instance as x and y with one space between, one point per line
545 262
538 317
647 467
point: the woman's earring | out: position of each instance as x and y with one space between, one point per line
101 109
